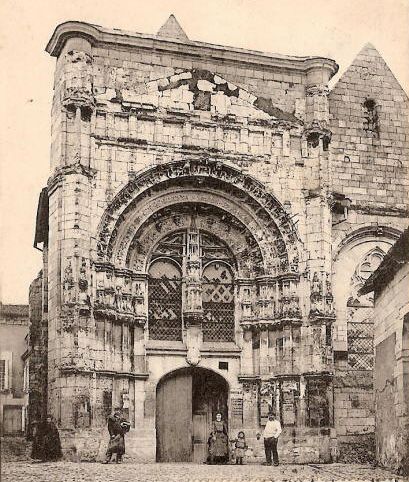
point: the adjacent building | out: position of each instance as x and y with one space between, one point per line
210 217
14 322
390 284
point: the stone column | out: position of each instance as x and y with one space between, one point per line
193 312
318 210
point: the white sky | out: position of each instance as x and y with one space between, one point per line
333 28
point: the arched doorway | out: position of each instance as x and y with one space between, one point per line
187 401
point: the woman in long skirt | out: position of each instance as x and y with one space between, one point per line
219 447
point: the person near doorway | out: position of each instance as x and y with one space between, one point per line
272 431
240 448
219 445
46 441
117 428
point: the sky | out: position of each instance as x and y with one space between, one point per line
332 28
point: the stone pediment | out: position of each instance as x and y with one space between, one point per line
199 90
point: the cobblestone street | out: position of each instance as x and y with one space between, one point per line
178 472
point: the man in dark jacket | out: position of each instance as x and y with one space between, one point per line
117 428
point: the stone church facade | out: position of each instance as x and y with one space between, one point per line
210 216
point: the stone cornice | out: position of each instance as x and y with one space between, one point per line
76 169
73 370
187 150
380 210
100 36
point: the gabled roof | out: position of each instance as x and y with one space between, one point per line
171 29
372 69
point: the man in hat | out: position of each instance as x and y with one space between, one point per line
117 428
272 431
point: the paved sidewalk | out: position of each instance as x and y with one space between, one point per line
179 472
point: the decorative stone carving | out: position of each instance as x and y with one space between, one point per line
83 297
68 284
317 89
215 220
264 205
78 80
316 133
120 294
193 343
362 272
321 297
250 385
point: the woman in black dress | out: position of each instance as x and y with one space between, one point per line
46 442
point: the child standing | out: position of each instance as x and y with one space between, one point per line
241 447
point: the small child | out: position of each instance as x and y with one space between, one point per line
210 444
241 447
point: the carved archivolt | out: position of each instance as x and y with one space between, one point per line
354 235
191 181
207 219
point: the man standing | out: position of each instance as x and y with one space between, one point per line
271 433
117 428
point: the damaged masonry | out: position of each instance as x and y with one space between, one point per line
210 217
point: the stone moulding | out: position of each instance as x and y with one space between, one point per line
269 324
356 234
72 169
73 370
107 312
100 36
183 150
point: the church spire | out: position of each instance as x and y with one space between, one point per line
172 29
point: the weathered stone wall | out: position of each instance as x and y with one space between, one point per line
392 373
369 150
370 143
38 347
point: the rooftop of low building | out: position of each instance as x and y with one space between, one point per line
393 261
10 312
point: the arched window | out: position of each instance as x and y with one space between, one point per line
360 315
165 300
218 302
168 274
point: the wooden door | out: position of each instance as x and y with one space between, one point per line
200 436
174 419
12 419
